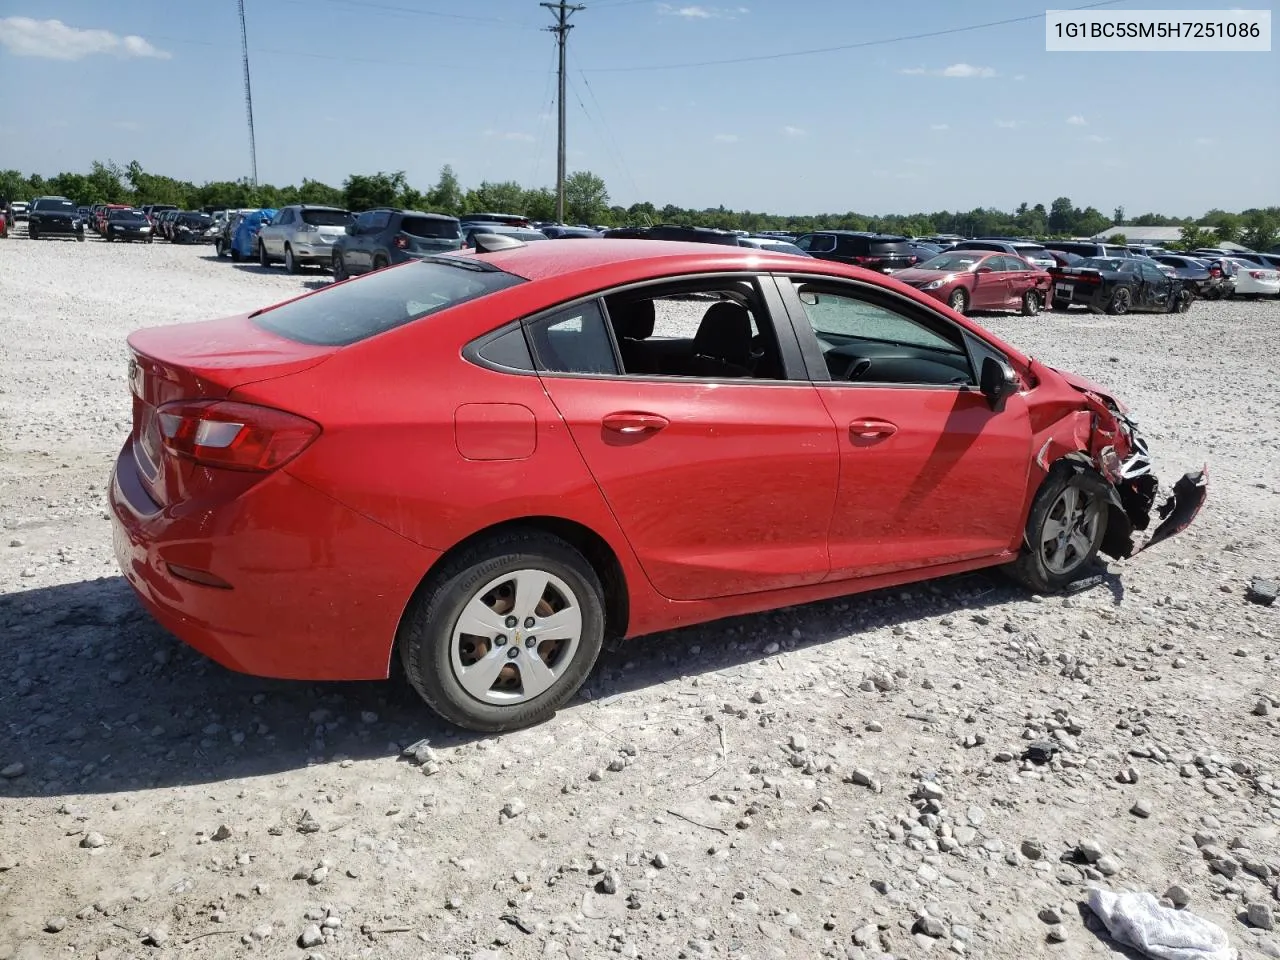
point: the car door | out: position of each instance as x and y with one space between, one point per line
722 486
929 473
374 242
1021 277
355 245
272 235
1157 288
990 287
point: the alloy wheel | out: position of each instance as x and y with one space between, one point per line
516 637
1069 530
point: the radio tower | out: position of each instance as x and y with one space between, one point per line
248 93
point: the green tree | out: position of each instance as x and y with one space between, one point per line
1117 218
446 196
539 203
314 191
1090 222
585 197
362 191
1119 238
1062 216
1261 232
1193 237
505 197
14 186
106 183
73 186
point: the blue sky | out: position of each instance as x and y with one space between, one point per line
979 118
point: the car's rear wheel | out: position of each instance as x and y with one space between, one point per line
1030 303
958 301
339 268
1066 525
1121 301
263 259
33 232
380 261
505 633
1182 301
219 250
290 264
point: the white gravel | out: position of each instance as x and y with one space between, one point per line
830 780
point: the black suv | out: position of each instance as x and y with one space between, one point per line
383 236
54 215
674 231
874 251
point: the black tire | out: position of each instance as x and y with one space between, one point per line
339 268
958 301
235 255
263 260
219 250
1031 568
1120 303
150 238
1181 301
1030 303
291 263
425 636
79 236
33 233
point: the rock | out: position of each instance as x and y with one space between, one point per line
861 777
13 771
55 925
1141 808
975 815
307 823
1262 591
1089 850
1226 866
799 742
1178 896
318 876
1032 849
156 937
1050 916
1040 751
93 840
1057 934
1261 916
222 833
661 860
930 926
1128 775
513 808
609 883
875 726
311 936
262 931
1108 866
928 790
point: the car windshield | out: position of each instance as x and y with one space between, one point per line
57 205
951 262
128 216
430 228
326 218
196 219
348 312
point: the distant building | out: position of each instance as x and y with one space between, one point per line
1158 236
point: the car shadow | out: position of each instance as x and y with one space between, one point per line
98 698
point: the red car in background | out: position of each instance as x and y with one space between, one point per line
103 214
976 280
487 463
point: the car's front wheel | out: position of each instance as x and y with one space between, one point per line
1030 303
1121 301
505 633
290 264
339 268
1065 528
958 301
263 259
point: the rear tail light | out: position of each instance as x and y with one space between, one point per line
1215 272
861 261
400 243
1257 274
234 436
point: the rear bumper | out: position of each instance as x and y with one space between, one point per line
313 252
316 590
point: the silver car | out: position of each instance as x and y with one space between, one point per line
300 234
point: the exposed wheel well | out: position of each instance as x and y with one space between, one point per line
591 545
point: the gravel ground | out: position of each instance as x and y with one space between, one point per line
843 779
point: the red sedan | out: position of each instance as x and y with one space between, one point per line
973 280
486 464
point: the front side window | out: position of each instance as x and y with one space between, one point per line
863 341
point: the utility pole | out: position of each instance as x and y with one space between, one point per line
561 29
248 93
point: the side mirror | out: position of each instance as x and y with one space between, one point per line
983 270
997 382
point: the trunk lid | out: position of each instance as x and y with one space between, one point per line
191 361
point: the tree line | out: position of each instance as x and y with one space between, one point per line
587 201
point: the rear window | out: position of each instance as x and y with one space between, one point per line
892 247
349 312
43 205
430 228
980 245
326 218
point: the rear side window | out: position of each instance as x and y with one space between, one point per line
430 228
817 243
326 218
574 340
348 312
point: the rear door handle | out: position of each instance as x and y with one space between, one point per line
871 429
634 424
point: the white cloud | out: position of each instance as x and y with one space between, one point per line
1096 138
1077 121
54 40
791 131
727 138
696 12
960 70
939 126
1006 124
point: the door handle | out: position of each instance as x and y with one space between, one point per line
634 424
871 429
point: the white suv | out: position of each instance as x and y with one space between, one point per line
300 234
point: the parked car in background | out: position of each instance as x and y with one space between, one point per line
978 280
165 220
1147 251
1193 273
128 225
772 244
83 211
52 217
381 237
4 220
475 477
508 219
924 251
1268 260
1061 258
153 210
1213 252
302 234
104 211
1118 285
20 210
558 231
1253 280
227 229
873 251
470 231
1034 253
192 227
1088 248
244 238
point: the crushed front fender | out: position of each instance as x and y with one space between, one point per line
1182 506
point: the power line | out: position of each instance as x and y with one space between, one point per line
844 46
561 29
415 11
611 142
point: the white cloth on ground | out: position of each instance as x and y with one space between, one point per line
1138 920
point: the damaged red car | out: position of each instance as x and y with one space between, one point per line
488 463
